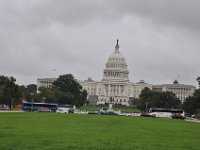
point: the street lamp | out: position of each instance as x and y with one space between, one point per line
44 99
32 100
146 105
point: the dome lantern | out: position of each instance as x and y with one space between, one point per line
117 47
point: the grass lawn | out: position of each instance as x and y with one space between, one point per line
51 131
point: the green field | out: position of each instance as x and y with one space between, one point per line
51 131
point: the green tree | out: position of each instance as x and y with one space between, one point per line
189 105
65 97
150 98
45 95
198 80
83 99
31 88
145 99
69 91
166 100
192 103
9 91
28 92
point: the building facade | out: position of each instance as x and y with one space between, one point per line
45 82
180 90
115 86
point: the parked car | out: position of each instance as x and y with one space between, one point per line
80 112
144 114
71 110
93 112
43 109
125 114
65 110
62 110
4 107
102 113
111 113
197 116
177 116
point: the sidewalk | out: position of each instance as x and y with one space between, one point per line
10 111
193 120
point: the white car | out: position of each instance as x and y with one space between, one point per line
80 112
62 110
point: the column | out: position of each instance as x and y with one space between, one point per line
109 88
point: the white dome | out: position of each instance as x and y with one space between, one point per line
116 67
116 60
116 56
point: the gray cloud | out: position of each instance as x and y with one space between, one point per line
159 38
183 13
37 13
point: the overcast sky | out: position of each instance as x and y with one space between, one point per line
160 39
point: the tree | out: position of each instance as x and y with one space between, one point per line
150 98
83 97
45 95
166 100
69 91
145 99
189 105
198 80
9 91
192 103
31 88
28 92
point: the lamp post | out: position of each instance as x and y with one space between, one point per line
44 99
146 106
32 100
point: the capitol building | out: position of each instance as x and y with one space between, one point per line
115 86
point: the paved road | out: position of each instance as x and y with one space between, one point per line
10 111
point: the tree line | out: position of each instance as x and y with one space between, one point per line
65 90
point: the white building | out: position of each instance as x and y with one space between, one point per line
45 82
180 90
138 87
115 86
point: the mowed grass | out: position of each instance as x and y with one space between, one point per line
51 131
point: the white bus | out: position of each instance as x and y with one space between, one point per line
165 112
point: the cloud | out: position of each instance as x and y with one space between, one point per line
36 13
159 38
181 13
